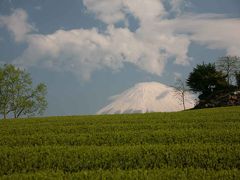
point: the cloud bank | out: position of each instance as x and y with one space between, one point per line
17 24
162 35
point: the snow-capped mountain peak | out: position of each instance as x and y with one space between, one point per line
147 97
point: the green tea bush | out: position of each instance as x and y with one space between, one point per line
202 144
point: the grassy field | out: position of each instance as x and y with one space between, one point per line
199 144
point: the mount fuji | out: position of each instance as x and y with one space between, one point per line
147 97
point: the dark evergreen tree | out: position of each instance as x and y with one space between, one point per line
205 79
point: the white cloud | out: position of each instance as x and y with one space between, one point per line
158 39
17 24
146 11
176 5
84 51
112 11
211 30
109 11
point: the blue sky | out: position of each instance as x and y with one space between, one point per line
86 51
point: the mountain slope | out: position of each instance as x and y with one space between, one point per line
147 97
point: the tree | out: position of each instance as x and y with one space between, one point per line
229 65
17 95
205 79
181 89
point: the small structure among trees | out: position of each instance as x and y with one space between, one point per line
215 82
17 96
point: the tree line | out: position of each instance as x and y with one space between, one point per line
209 80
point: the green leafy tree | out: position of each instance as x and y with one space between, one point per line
229 65
17 96
205 79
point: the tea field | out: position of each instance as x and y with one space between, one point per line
197 144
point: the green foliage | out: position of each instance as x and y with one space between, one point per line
136 174
17 95
203 144
74 159
205 76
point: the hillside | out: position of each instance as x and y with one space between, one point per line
196 144
147 97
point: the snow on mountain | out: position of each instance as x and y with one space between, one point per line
147 97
